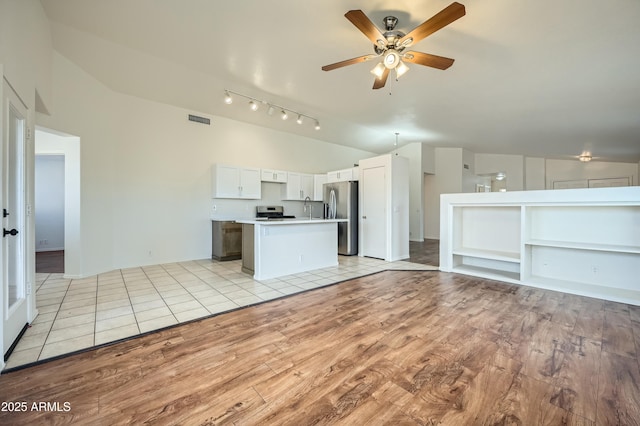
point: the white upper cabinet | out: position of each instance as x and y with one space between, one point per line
343 175
298 186
318 182
235 182
278 176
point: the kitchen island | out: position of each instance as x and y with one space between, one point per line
273 248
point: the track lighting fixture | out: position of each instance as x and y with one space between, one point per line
227 98
254 105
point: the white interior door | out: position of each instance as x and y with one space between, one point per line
14 309
373 212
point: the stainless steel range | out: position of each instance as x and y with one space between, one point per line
271 213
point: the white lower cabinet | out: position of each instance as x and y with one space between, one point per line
235 182
580 241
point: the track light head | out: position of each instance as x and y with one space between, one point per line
317 126
253 105
284 115
299 120
227 98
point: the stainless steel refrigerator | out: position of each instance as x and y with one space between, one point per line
341 199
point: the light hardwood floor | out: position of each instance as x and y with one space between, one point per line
390 348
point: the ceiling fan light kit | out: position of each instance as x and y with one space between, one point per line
392 43
254 105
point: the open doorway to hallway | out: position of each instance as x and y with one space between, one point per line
57 203
49 212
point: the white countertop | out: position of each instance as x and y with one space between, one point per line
296 221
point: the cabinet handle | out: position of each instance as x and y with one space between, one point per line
364 217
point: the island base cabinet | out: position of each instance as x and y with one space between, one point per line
248 251
226 240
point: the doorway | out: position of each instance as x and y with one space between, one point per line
51 143
15 306
49 212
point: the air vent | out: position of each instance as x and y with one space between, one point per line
466 166
197 119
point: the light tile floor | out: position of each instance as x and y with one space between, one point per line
76 314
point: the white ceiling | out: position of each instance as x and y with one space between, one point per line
539 78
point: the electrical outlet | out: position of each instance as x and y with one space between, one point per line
215 208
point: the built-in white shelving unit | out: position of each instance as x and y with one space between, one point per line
581 241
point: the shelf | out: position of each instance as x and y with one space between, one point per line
503 256
489 273
585 246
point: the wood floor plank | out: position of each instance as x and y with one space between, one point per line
618 340
576 391
618 391
392 348
590 323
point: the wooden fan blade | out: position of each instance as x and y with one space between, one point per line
440 20
380 82
364 24
428 60
348 62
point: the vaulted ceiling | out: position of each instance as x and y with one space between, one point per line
542 78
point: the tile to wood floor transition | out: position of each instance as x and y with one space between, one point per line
389 348
81 313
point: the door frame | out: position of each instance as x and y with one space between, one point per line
28 249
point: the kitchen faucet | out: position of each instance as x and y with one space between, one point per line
310 206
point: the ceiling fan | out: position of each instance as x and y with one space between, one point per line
391 44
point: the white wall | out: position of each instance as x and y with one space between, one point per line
146 169
49 202
559 170
534 173
413 152
446 179
511 165
25 50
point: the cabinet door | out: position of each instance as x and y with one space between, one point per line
306 186
278 176
373 213
226 181
293 188
250 183
318 183
333 177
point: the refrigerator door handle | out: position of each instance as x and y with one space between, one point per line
332 204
